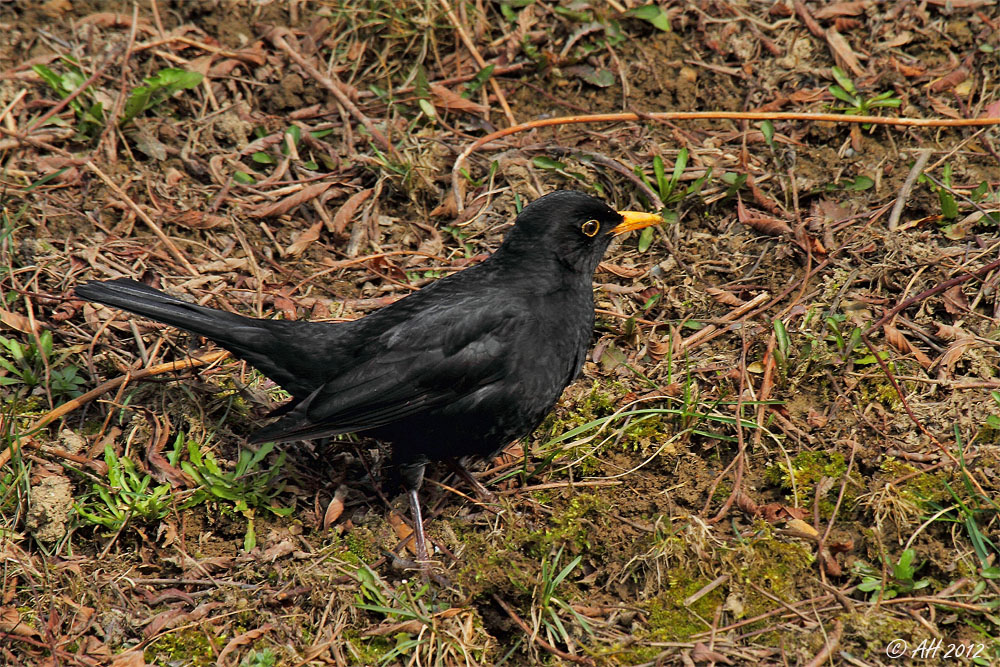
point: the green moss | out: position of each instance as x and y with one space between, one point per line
571 525
641 435
773 563
361 542
188 646
919 488
882 392
672 620
599 402
807 470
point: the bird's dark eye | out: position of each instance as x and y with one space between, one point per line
591 227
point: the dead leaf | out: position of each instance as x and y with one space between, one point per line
347 211
279 550
800 526
701 653
725 297
336 507
816 419
829 563
56 8
247 637
906 69
304 240
949 332
946 362
902 38
171 618
403 531
761 222
950 80
385 629
447 208
293 200
18 322
954 301
621 271
443 98
12 623
895 338
198 220
843 51
131 658
943 108
841 9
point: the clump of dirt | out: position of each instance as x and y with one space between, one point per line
49 509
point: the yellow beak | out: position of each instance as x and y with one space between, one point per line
635 220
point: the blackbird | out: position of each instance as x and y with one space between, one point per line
461 368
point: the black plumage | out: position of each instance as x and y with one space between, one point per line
461 368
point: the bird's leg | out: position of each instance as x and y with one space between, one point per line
418 528
413 477
463 472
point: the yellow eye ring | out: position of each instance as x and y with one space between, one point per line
590 228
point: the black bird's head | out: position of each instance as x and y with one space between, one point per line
574 228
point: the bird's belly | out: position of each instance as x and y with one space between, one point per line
483 422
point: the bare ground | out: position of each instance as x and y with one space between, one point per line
852 505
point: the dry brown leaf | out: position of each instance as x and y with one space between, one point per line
746 504
841 9
286 204
943 108
12 623
403 531
621 271
807 18
194 219
658 348
816 419
807 95
304 240
907 70
761 222
347 211
385 629
950 80
842 24
116 20
800 526
843 51
177 616
946 362
774 512
829 563
701 653
279 550
724 297
447 208
247 637
444 98
131 658
902 38
949 332
56 8
18 322
336 506
954 301
895 338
